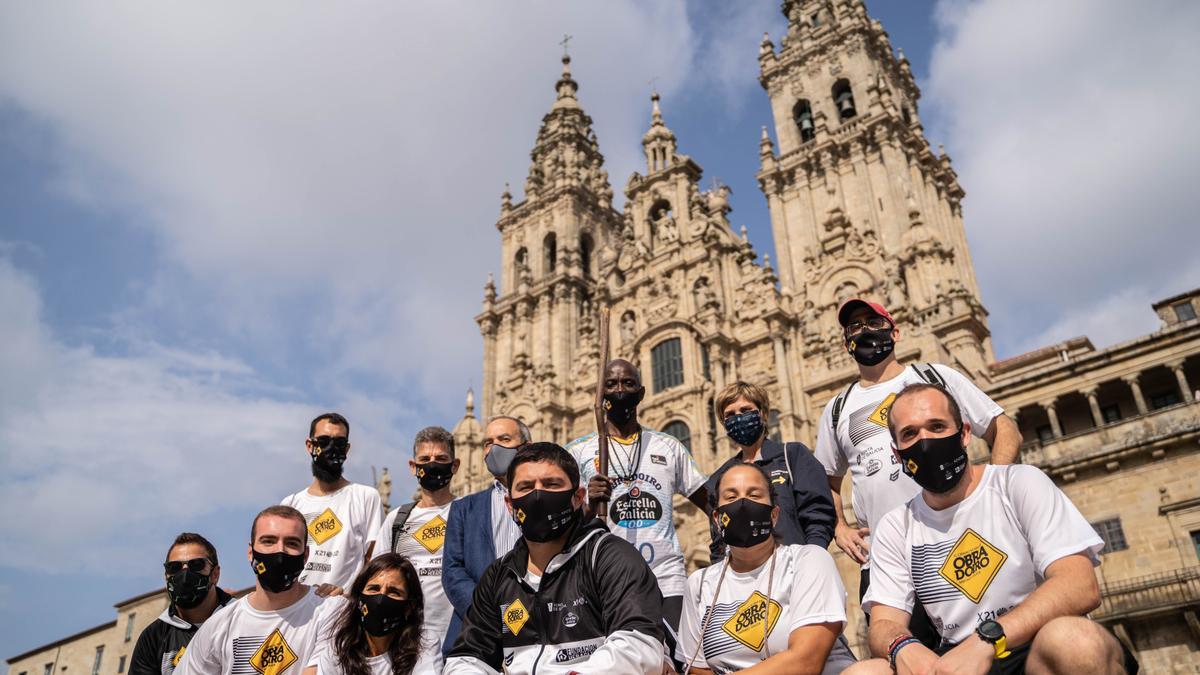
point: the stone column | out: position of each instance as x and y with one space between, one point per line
1138 399
783 374
1055 427
1184 390
1094 404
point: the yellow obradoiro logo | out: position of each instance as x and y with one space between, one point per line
324 527
274 656
880 416
178 656
432 535
753 621
515 616
972 565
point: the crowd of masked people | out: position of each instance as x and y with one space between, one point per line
560 568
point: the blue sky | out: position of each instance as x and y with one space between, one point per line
216 222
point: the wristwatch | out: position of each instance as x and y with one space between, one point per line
992 633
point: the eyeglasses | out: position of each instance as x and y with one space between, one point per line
874 323
176 566
325 443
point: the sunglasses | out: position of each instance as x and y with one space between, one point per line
337 443
176 566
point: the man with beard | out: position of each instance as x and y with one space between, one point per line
647 468
275 626
192 573
342 516
569 597
999 556
417 530
853 433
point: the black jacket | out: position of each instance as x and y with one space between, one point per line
597 603
159 644
806 514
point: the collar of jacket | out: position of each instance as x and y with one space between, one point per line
170 617
769 451
517 561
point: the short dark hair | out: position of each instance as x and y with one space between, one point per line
281 511
522 428
916 388
193 538
435 435
546 452
333 418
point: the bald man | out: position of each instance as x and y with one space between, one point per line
646 468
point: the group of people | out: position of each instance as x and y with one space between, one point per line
558 567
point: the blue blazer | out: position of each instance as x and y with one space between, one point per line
468 552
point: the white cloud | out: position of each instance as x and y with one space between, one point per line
100 450
1071 126
316 180
296 161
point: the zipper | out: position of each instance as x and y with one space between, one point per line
537 603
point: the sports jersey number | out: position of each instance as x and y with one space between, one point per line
647 551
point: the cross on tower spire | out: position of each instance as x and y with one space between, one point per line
565 43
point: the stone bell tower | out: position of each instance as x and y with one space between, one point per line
537 327
859 203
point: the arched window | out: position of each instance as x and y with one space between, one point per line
550 253
666 362
585 254
804 120
843 100
681 433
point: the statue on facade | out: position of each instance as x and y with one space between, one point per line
628 328
385 490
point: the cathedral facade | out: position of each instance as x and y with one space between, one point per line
860 205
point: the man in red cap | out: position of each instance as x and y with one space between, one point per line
853 433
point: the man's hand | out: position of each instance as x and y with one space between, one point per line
852 541
328 590
971 657
916 659
599 489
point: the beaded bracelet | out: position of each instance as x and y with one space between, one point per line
898 644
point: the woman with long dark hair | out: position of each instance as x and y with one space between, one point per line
768 607
378 632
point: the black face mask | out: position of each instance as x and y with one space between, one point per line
434 476
187 589
544 515
277 571
936 464
621 406
327 465
382 615
871 346
744 429
745 522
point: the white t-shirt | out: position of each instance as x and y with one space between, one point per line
339 527
421 540
641 511
241 640
981 557
327 663
864 445
806 590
